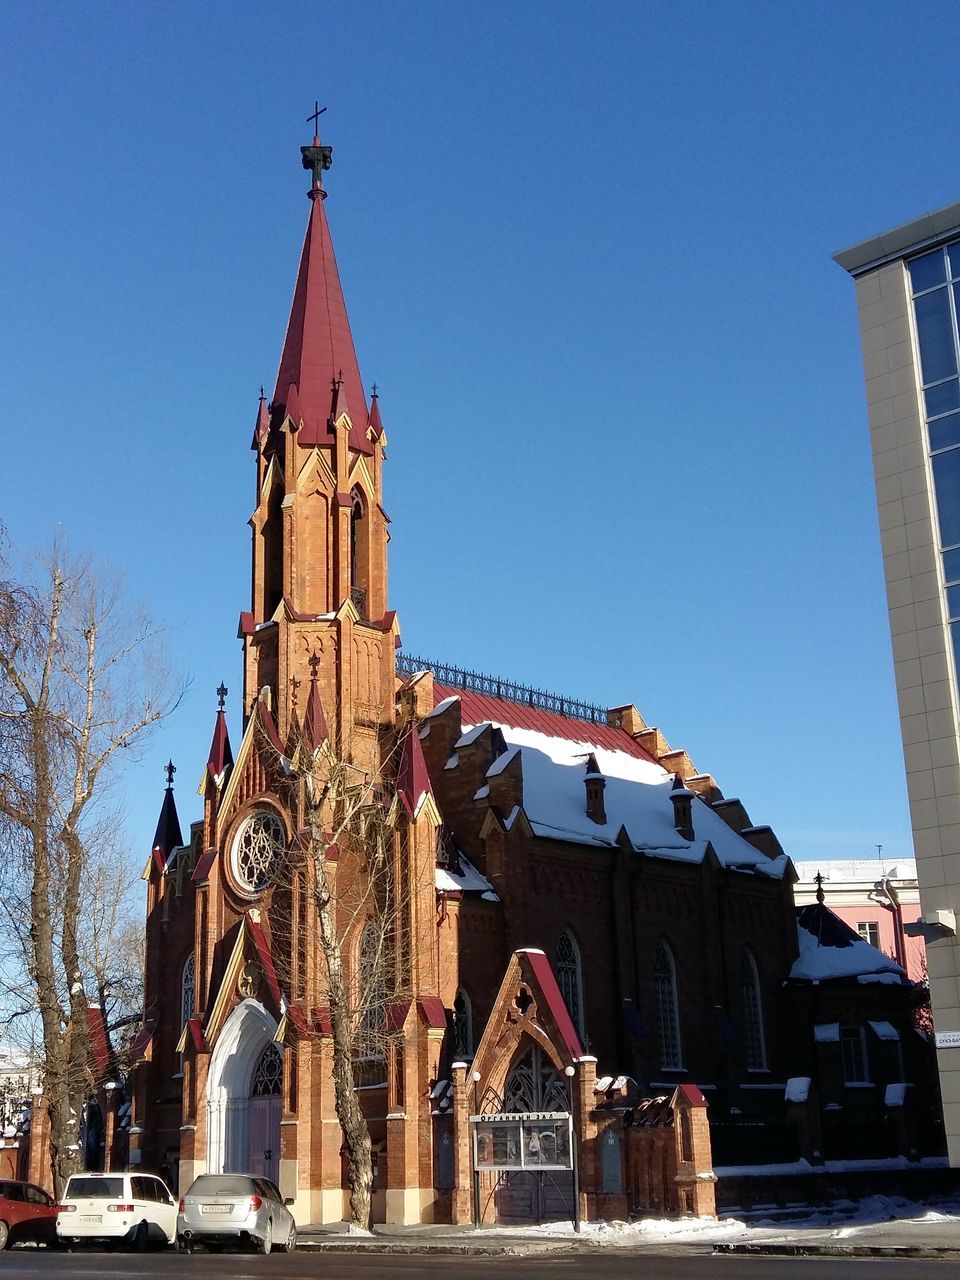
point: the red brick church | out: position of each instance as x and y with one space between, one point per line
589 926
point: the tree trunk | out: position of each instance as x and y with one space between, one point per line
356 1135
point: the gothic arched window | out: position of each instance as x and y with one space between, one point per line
188 977
668 1011
359 553
371 991
462 1027
754 1039
570 977
267 1074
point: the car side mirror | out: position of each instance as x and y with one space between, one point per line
289 1200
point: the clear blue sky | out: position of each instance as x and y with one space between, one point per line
586 254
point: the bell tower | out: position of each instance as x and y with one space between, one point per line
319 548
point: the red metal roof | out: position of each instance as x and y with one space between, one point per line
318 347
220 754
543 972
476 708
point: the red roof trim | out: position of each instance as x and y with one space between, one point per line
220 753
196 1036
432 1010
691 1093
321 1020
413 780
543 972
266 960
202 870
397 1015
143 1037
476 708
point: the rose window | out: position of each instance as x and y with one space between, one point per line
257 850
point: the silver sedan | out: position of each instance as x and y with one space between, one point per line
235 1208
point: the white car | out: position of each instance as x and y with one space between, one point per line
136 1208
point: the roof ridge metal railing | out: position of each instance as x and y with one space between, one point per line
409 664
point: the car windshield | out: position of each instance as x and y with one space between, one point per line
221 1184
100 1188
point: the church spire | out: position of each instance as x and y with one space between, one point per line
318 350
168 836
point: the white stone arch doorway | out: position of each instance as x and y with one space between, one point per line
243 1130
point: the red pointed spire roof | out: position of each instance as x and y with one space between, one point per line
315 729
220 754
262 425
318 349
413 780
374 424
168 835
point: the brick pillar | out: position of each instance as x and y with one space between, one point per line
695 1179
109 1125
462 1199
585 1135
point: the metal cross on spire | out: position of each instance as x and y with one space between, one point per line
314 662
222 694
317 113
316 157
818 880
170 769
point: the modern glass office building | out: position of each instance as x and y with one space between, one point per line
908 297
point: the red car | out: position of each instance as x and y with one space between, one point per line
26 1213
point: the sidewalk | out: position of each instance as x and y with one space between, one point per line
879 1227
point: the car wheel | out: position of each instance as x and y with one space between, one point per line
291 1244
141 1238
184 1246
266 1244
4 1235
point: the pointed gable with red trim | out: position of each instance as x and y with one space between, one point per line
413 780
319 373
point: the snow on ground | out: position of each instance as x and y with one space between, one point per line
845 1220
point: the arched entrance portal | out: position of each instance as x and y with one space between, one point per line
533 1083
243 1095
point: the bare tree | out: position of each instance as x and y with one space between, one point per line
81 681
351 854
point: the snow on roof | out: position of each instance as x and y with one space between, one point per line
895 1095
467 880
442 706
829 948
637 796
867 870
797 1090
885 1031
470 736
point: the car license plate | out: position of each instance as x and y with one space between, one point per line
89 1217
216 1208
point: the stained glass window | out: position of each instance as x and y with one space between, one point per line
570 977
668 1016
756 1048
257 850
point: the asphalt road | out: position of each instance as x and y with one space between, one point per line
606 1264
